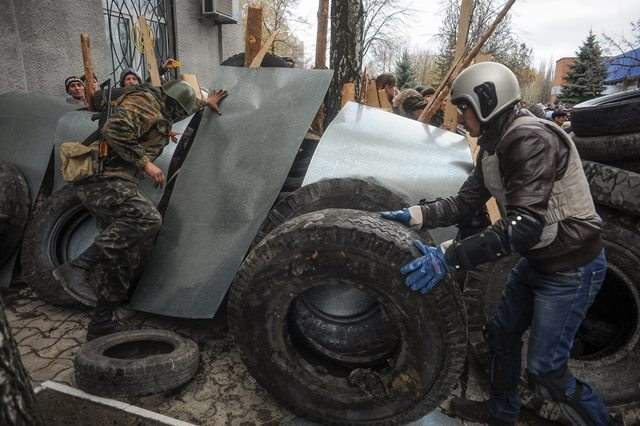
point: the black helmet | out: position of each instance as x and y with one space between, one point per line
488 87
181 92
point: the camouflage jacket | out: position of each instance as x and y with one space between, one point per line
137 131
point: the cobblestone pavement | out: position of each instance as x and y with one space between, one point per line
222 391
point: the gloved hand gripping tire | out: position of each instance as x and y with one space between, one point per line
425 272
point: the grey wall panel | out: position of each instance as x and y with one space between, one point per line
228 183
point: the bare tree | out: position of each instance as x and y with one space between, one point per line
347 24
502 45
19 405
624 51
383 20
539 88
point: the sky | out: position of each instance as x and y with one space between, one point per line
553 28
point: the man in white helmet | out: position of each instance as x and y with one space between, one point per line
533 170
136 133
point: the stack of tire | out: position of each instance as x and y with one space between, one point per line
606 350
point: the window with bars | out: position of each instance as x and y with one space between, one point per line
123 35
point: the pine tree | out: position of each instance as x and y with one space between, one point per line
586 75
405 73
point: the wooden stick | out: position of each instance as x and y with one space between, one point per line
458 66
85 44
253 34
149 53
321 37
466 11
257 60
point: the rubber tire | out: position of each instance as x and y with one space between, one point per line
607 115
347 338
99 373
338 193
612 371
15 205
270 60
44 246
365 251
614 187
605 149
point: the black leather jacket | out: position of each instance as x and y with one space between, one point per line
531 160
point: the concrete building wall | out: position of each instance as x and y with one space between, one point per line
40 42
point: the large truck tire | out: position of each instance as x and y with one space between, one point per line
135 363
607 115
346 249
609 148
614 187
14 209
61 228
607 346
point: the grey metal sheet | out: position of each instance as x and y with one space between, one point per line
411 158
27 124
230 179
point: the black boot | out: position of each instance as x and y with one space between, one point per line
475 411
102 322
73 275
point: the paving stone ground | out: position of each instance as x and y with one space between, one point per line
222 391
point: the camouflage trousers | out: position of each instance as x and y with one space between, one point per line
127 223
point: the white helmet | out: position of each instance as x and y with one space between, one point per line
488 87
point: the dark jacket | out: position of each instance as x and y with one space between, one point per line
531 160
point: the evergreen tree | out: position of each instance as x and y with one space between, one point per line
405 73
586 75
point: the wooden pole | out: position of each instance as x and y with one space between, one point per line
149 53
85 44
321 37
443 90
257 60
253 34
466 12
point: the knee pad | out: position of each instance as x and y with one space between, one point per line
552 386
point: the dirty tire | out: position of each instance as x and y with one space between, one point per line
614 187
60 229
607 346
339 193
607 115
135 363
14 209
363 251
269 60
44 245
605 149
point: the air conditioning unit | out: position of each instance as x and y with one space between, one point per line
223 11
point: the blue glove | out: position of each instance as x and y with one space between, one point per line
426 271
403 216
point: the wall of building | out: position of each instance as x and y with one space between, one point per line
562 68
40 42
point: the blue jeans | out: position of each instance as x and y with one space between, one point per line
551 306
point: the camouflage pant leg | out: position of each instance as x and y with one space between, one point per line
125 219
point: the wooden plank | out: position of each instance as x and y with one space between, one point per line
253 33
371 95
384 100
466 12
193 81
257 60
149 53
85 45
348 93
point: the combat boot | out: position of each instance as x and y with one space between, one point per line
102 322
73 275
476 412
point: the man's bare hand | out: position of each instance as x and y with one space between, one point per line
155 173
214 99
